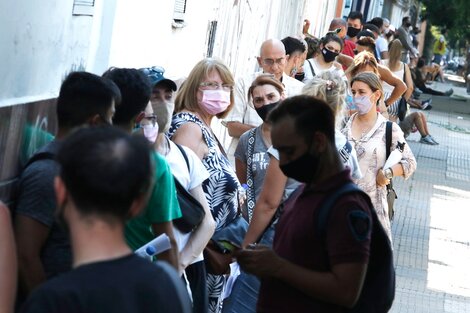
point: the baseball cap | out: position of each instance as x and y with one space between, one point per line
155 75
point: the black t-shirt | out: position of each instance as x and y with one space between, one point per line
129 284
37 201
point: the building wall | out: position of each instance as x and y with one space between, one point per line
42 42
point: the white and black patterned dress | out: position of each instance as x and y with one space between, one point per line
221 193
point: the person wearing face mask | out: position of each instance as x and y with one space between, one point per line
272 59
267 186
190 174
366 131
330 47
332 89
405 39
355 21
208 93
302 272
296 52
162 207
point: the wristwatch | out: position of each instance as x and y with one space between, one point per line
388 173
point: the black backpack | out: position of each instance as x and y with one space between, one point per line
378 291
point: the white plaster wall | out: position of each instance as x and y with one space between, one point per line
143 35
319 13
40 42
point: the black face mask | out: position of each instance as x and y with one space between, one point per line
352 32
328 56
408 24
265 109
300 76
302 169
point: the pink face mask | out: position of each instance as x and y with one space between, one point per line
215 101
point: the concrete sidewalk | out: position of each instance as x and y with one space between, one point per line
432 223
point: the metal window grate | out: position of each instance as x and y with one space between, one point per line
83 7
211 38
179 10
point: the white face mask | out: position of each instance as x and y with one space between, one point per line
164 111
363 104
150 132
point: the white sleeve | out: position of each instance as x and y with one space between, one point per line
237 113
198 173
307 70
382 44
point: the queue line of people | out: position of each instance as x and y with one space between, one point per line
291 133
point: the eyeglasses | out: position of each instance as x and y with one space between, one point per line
270 62
215 86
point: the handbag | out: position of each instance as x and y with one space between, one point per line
218 254
192 212
391 193
402 104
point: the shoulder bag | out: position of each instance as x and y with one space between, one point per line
391 194
192 211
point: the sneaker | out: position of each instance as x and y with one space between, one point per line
449 92
427 140
426 104
434 140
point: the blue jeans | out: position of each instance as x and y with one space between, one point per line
245 290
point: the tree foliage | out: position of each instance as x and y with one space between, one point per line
451 14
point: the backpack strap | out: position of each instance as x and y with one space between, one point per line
250 193
185 156
326 205
38 157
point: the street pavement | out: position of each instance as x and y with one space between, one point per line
431 229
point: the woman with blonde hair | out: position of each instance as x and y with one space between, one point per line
331 88
208 93
366 62
366 131
401 70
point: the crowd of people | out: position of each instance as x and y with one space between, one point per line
312 120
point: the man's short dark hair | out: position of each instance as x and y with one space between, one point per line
372 28
354 15
310 114
337 23
83 95
377 21
105 170
405 19
135 90
293 45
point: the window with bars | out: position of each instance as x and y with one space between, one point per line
83 7
179 11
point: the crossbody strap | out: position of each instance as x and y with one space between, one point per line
388 144
311 67
185 156
250 193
